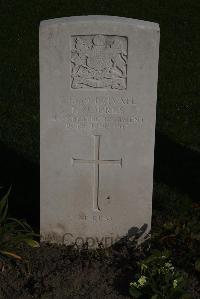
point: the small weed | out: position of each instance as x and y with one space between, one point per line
13 232
157 278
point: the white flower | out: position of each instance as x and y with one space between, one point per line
134 284
175 283
142 280
169 266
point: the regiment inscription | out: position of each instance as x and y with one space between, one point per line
103 112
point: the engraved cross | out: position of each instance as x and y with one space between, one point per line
96 162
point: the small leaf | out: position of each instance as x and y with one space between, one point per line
11 254
168 225
156 252
4 206
21 223
195 236
167 253
150 259
134 293
197 265
186 296
155 297
177 230
32 243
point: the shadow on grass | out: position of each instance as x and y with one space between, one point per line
128 253
177 166
25 179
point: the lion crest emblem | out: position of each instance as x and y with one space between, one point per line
99 61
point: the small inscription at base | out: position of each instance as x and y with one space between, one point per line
95 218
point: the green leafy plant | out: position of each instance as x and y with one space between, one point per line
157 278
182 236
13 232
197 265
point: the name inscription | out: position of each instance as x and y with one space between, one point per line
102 113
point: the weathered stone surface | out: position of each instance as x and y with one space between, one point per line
98 109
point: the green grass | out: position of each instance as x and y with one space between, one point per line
13 232
179 68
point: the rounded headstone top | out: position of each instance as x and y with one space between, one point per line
102 18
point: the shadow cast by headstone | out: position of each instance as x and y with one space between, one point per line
126 252
24 176
176 166
133 236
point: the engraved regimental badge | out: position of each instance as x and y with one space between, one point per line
99 61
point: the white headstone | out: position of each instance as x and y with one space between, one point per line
98 83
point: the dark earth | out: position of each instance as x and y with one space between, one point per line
59 271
